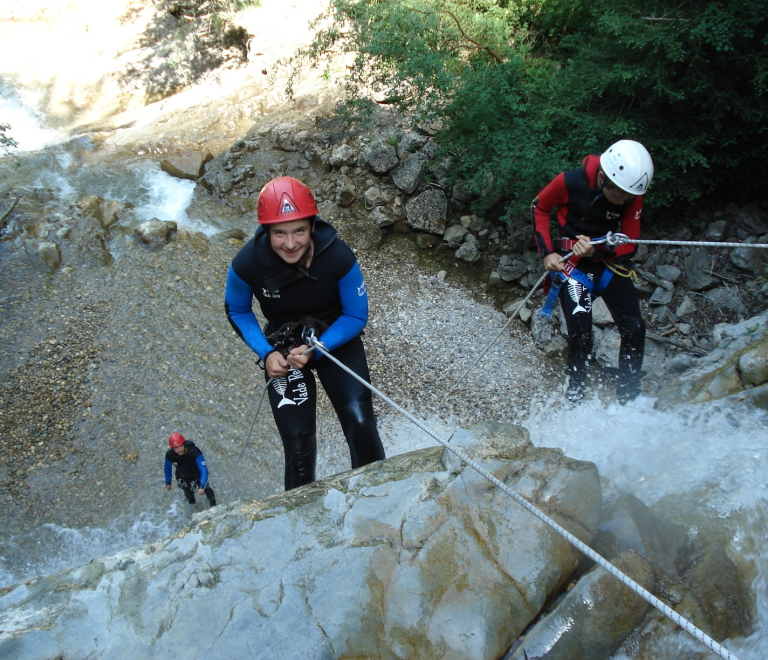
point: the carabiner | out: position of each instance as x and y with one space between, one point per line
613 240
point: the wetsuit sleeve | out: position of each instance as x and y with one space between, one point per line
238 302
554 195
354 310
168 471
200 461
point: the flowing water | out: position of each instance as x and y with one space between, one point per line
707 463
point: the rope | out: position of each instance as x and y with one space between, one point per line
504 327
612 240
250 431
580 545
493 341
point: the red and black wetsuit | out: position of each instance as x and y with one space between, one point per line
583 209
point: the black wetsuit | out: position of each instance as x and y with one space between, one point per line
330 290
191 472
583 209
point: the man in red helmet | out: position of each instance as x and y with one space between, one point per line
191 470
304 278
604 195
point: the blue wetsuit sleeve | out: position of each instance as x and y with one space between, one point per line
238 302
168 474
200 460
354 311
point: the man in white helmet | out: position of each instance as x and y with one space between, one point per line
604 194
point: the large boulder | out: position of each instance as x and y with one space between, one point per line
418 556
734 369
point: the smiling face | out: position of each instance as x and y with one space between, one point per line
291 240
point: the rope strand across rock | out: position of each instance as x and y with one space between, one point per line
686 625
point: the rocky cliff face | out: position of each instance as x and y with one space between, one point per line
415 557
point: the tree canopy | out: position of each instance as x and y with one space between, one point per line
527 88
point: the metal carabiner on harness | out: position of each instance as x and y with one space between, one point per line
311 340
612 240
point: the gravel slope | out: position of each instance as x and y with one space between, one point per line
101 364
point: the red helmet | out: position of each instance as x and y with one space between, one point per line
176 440
285 199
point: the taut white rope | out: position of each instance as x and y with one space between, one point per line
612 240
580 545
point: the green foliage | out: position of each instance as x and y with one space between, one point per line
7 143
527 88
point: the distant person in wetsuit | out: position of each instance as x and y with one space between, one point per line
191 470
304 276
604 194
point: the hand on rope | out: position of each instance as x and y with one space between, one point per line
583 247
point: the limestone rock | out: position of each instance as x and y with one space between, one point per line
409 174
345 191
155 232
418 556
719 374
594 618
427 211
468 252
380 156
375 196
343 155
381 218
698 266
750 260
363 236
187 165
454 235
601 316
546 333
410 143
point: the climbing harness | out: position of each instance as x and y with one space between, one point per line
571 272
287 337
292 335
686 625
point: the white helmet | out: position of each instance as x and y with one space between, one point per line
628 164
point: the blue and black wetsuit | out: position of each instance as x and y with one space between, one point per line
331 290
191 472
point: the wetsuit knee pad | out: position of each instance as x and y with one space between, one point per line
300 456
359 425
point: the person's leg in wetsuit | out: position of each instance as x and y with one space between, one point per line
210 495
621 299
576 303
189 489
352 401
294 400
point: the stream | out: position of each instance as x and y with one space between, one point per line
702 463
